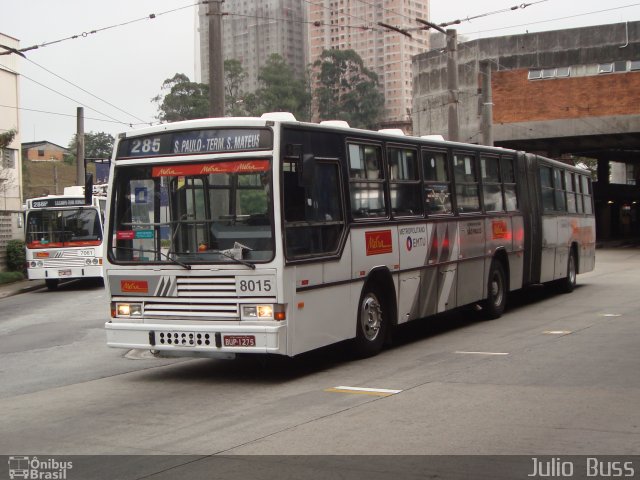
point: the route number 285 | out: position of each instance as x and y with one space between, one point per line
148 145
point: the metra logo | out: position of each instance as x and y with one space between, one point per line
378 242
134 286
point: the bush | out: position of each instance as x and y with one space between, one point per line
10 277
15 256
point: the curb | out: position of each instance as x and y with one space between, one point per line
7 291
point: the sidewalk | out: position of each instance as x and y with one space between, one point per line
23 286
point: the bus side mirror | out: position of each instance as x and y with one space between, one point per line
88 188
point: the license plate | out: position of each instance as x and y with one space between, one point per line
240 341
64 273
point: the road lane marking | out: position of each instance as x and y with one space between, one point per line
610 314
557 332
482 353
378 392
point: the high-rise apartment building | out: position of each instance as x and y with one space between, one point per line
353 24
255 29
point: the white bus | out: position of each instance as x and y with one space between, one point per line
268 235
64 236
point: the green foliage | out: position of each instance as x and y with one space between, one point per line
281 91
182 99
10 277
7 137
348 90
234 75
15 255
96 145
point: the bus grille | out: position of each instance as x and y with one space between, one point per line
64 262
198 298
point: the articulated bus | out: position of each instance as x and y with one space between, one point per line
268 235
64 236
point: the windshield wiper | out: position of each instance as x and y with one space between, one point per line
172 260
231 253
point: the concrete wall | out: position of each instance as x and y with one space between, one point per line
523 106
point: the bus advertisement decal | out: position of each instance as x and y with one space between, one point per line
378 242
242 166
500 229
134 286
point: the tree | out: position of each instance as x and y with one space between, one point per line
96 145
7 137
234 75
280 91
182 99
347 89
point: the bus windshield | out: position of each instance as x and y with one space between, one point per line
74 227
189 213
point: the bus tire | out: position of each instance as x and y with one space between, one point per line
568 283
372 323
52 283
496 301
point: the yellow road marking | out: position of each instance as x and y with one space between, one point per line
378 392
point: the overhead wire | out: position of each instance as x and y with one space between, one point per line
87 92
66 115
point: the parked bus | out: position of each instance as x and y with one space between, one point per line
64 236
268 235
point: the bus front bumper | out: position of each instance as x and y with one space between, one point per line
197 340
61 273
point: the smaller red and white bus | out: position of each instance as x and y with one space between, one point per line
64 236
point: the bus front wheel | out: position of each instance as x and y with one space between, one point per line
372 323
496 300
52 283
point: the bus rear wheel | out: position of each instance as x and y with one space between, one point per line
496 300
568 283
372 323
52 283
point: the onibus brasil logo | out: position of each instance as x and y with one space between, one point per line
36 469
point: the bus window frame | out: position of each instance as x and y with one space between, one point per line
418 183
384 181
476 164
448 163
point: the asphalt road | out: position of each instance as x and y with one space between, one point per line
556 375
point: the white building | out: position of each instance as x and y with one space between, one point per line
252 31
10 158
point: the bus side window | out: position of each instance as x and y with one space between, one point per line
466 178
509 183
366 181
547 189
313 214
558 186
491 184
404 182
437 186
571 196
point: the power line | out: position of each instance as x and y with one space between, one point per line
333 11
67 115
556 19
292 20
86 91
69 98
85 34
385 9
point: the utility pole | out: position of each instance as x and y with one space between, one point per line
55 179
486 125
216 65
452 84
80 147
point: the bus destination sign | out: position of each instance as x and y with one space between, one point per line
57 202
197 141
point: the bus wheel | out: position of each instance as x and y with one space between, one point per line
496 299
52 283
567 284
372 324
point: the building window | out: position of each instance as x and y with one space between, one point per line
41 153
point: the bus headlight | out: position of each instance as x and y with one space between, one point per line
128 309
32 264
87 261
40 263
263 312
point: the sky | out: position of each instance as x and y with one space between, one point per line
123 67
